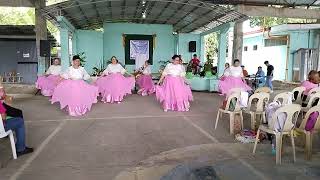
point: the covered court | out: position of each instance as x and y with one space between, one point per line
130 142
136 140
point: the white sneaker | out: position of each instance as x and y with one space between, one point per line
165 110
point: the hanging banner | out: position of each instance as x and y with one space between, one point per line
139 51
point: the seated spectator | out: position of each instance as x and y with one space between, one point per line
16 124
207 69
310 83
195 63
261 77
244 72
6 102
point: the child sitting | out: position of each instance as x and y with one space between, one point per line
312 82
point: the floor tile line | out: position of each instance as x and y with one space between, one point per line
112 117
213 139
37 151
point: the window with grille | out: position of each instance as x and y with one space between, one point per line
274 42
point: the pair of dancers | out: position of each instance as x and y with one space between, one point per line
71 90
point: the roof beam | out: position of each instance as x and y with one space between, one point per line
136 11
163 10
82 12
149 9
175 13
278 12
204 24
123 9
202 15
110 7
259 3
97 11
181 19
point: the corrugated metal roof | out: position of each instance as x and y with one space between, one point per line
185 15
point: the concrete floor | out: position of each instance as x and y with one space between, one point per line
137 140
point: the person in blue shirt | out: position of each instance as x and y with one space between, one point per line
261 77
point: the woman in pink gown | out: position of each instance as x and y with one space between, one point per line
232 78
74 92
144 80
113 85
48 82
174 93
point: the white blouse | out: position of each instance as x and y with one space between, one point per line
76 74
114 68
54 70
174 70
147 70
235 71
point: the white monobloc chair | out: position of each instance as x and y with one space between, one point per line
292 111
285 96
263 89
235 96
309 134
261 98
311 102
298 90
312 91
4 133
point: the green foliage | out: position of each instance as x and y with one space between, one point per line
97 70
273 21
163 64
211 46
22 16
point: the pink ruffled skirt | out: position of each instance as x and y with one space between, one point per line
146 85
77 95
115 87
47 84
174 94
228 83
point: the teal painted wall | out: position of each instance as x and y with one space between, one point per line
91 43
300 39
113 43
277 55
183 45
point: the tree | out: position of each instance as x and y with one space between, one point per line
273 21
211 45
22 16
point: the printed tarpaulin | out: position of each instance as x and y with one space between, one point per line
139 51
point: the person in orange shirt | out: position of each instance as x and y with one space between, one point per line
244 72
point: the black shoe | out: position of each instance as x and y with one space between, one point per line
27 150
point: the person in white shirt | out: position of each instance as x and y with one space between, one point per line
55 68
172 91
113 85
144 80
73 92
48 82
233 78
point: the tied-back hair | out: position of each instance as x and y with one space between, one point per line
75 57
115 58
56 58
175 56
